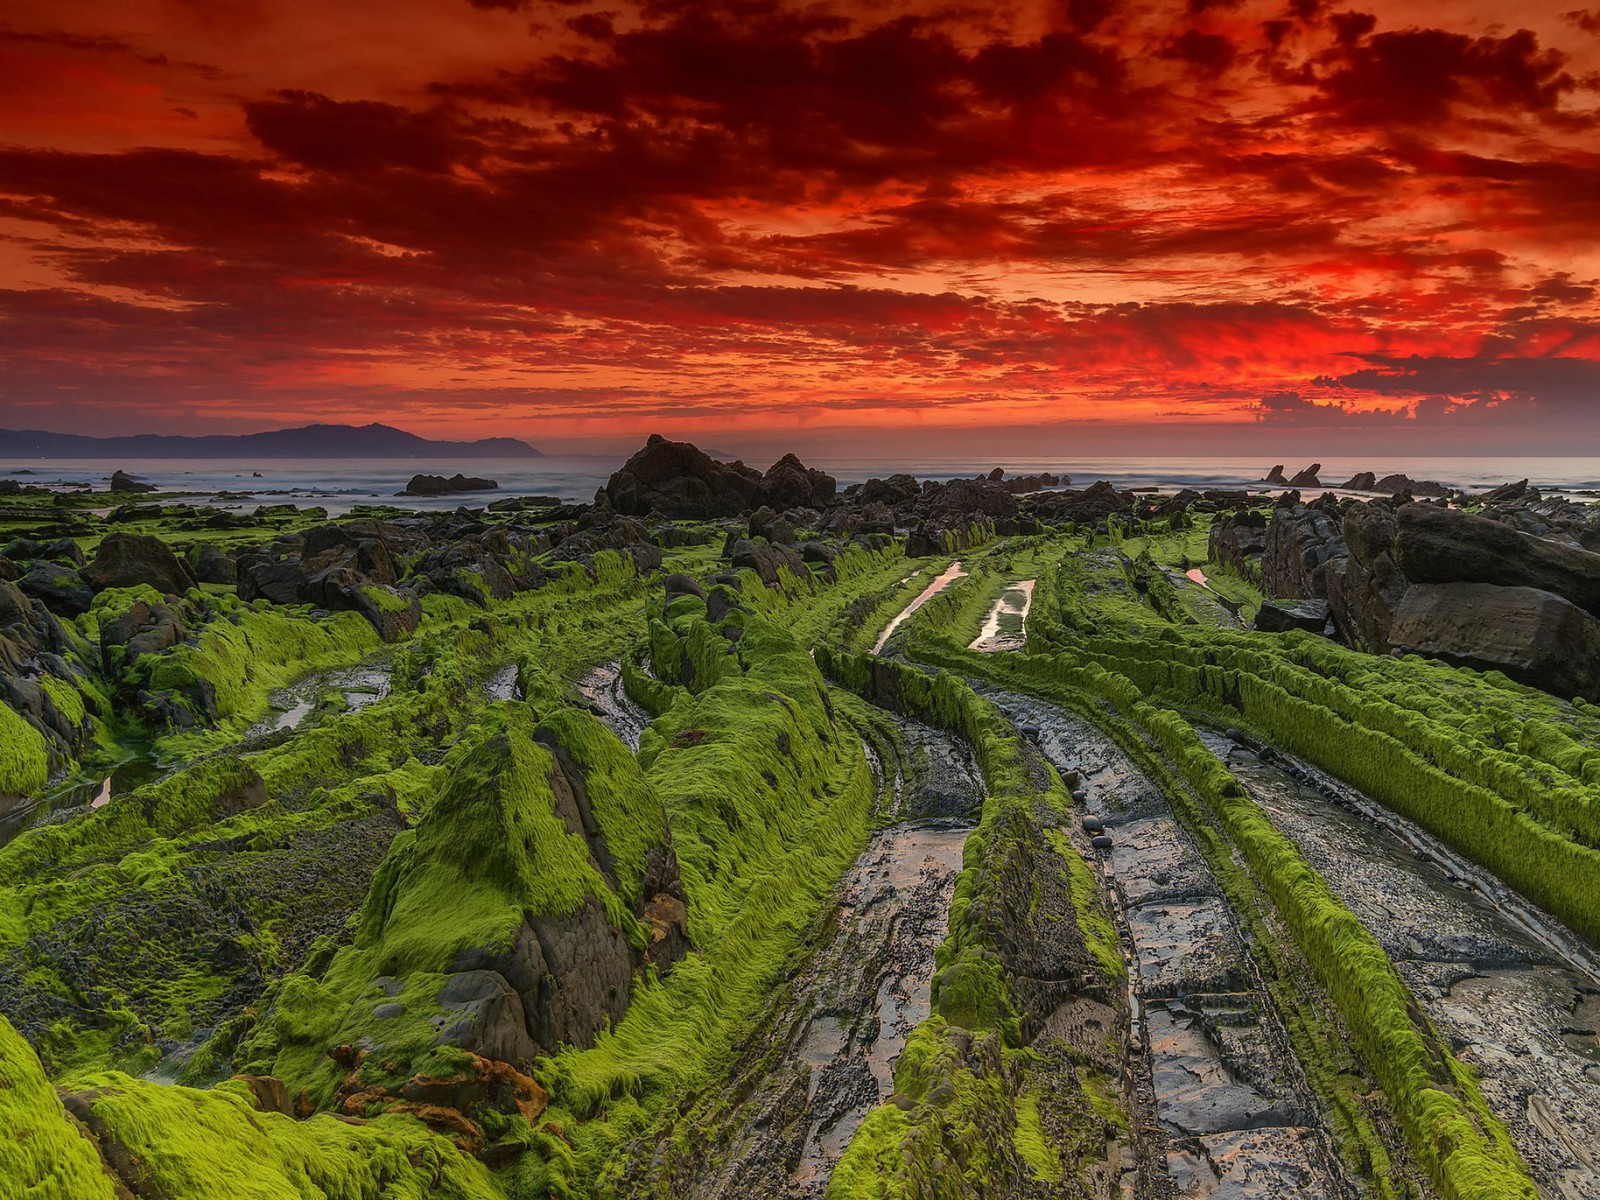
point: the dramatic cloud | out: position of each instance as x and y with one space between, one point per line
575 218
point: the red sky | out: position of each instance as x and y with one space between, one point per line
1081 220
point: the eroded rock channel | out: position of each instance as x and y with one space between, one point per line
1518 996
1228 1108
825 1052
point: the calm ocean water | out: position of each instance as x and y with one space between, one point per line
339 484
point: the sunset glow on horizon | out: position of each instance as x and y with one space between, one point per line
557 219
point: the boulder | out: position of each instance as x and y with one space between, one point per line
1280 616
1239 539
678 584
1442 545
1307 478
765 559
1362 481
131 559
1365 586
1300 543
1535 637
212 564
1276 476
789 483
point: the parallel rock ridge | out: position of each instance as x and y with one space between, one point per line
537 849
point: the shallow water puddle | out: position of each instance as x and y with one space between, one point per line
1006 627
951 573
846 1015
502 685
360 686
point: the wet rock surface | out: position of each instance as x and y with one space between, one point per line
824 1056
1518 996
1006 626
1232 1115
602 691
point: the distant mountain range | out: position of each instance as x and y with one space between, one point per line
308 441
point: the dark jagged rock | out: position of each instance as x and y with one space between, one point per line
131 559
1094 503
63 550
1508 492
1308 477
1276 476
896 489
1394 485
121 481
679 479
765 559
789 483
1301 541
61 589
1362 481
1239 539
1365 586
438 485
679 584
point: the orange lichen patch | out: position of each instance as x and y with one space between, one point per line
447 1104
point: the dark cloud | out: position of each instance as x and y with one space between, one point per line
1421 76
754 206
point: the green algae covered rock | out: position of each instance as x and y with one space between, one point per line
43 1155
512 920
185 1144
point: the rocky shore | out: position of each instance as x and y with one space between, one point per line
740 833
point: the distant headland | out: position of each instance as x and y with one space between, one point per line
307 441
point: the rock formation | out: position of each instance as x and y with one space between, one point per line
438 485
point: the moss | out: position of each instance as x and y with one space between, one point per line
873 1162
1099 934
24 756
490 852
1030 1141
43 1156
243 653
1448 1127
199 1145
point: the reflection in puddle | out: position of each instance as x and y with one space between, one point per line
359 686
1007 625
951 573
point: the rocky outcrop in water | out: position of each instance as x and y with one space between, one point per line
121 481
438 485
678 479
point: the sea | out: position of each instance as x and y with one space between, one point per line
338 485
